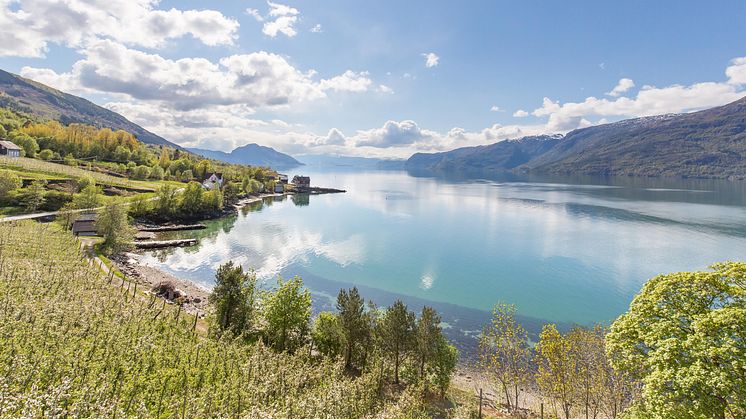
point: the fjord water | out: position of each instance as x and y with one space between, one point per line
561 250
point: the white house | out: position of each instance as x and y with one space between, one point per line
213 180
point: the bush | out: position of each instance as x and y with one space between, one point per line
54 200
46 154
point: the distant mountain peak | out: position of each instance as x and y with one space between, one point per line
251 154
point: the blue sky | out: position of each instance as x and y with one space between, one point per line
353 77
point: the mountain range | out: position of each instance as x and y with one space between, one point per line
705 144
37 99
251 154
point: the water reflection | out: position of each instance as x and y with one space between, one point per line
562 251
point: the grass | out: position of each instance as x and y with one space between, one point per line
73 345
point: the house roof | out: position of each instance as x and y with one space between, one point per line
84 226
9 145
217 174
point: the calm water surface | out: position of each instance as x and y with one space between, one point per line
561 250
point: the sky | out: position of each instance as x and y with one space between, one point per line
378 78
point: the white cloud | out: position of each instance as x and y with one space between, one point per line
254 80
621 87
392 134
520 113
736 72
317 28
277 9
349 81
255 14
385 89
30 26
496 108
431 59
281 19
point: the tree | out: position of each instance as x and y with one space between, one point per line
587 348
444 364
397 334
230 192
166 200
212 200
287 312
141 172
9 181
32 197
252 186
46 154
27 143
113 225
139 206
504 352
191 199
186 176
157 173
428 336
556 368
351 307
234 299
684 337
89 197
327 334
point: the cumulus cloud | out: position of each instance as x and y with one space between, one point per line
280 19
349 81
27 27
317 28
621 87
431 59
496 108
736 72
392 134
254 80
520 113
385 89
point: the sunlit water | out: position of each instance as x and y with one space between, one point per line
568 251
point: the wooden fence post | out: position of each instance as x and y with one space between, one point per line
480 403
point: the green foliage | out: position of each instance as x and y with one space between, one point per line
113 225
427 338
234 300
287 312
157 173
141 172
684 338
27 143
191 199
443 364
351 307
212 200
505 354
327 334
396 331
73 345
46 154
9 181
54 200
166 200
89 197
32 197
556 367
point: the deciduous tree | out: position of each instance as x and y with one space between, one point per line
287 311
684 337
234 300
504 352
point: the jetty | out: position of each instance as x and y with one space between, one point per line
176 227
164 243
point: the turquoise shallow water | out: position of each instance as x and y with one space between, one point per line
562 250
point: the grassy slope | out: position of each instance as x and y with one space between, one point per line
70 343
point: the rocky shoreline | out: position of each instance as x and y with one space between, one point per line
192 297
